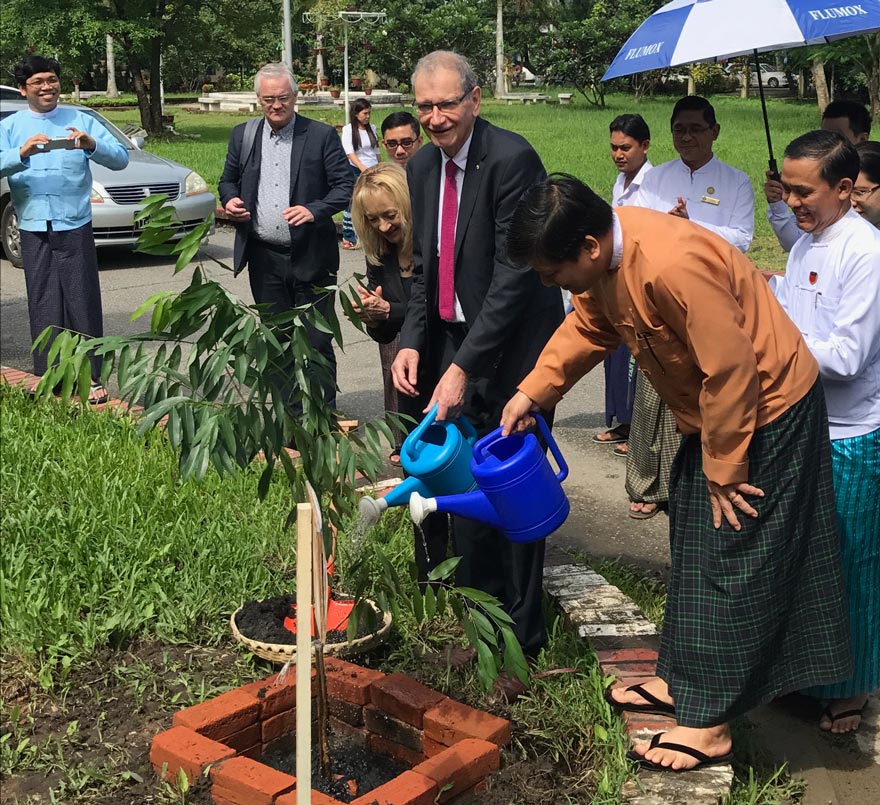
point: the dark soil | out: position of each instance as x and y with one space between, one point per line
356 771
263 621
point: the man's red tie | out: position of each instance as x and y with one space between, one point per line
447 244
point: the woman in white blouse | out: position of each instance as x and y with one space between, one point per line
360 142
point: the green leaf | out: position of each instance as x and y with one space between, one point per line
445 569
265 480
154 299
430 602
487 670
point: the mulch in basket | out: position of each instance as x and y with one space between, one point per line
263 621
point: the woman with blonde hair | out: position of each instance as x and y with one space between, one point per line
382 218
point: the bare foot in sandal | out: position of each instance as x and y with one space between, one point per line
843 715
656 687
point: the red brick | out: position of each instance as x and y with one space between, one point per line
252 782
407 789
625 670
254 752
383 746
357 735
221 716
627 655
379 722
317 799
245 739
275 699
450 721
645 723
403 698
350 682
463 765
220 796
346 711
431 747
183 748
282 724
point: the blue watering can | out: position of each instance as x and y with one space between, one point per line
437 459
518 492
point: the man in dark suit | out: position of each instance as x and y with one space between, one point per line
479 322
283 180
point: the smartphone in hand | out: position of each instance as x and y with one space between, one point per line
60 142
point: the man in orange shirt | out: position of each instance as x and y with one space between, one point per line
755 603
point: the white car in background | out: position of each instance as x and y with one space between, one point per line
118 195
770 77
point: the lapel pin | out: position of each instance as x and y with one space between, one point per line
814 276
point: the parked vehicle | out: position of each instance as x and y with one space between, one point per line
118 195
770 77
9 93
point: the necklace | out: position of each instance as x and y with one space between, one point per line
405 268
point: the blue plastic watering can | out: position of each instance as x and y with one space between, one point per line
437 459
518 491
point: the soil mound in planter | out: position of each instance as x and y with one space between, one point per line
264 621
356 770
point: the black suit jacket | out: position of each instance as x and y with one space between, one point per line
320 179
510 315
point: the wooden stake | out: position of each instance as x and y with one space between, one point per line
304 531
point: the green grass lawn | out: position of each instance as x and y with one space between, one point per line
571 138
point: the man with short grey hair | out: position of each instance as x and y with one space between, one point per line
475 321
285 176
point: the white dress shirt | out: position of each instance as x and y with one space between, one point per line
719 197
620 195
831 291
460 160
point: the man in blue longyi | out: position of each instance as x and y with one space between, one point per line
51 190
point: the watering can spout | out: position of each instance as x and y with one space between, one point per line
472 505
370 509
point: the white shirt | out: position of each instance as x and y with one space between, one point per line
460 160
368 154
620 196
831 291
784 225
719 197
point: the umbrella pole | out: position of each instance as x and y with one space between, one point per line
774 170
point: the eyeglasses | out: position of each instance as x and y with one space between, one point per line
406 143
693 131
449 105
269 100
44 82
859 193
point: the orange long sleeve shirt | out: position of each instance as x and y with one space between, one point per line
702 324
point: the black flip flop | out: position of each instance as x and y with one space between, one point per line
656 706
832 717
656 743
617 438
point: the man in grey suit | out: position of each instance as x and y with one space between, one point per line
284 178
477 321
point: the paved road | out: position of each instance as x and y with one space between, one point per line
839 772
598 524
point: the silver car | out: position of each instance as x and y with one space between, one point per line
117 195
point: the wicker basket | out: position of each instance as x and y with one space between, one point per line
282 652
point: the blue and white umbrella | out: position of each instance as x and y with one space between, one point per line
687 31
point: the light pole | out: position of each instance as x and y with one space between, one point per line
285 33
347 19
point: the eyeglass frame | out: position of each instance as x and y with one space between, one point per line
693 131
425 108
863 193
269 100
405 143
44 82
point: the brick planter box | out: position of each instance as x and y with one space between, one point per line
450 747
